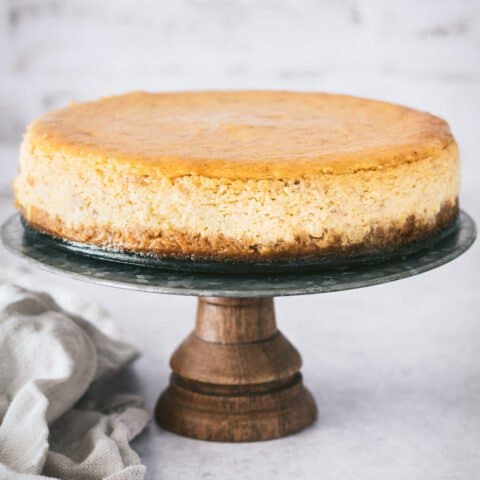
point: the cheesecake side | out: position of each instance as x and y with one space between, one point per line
118 205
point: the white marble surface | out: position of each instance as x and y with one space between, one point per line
395 369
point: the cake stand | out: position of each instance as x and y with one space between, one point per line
236 377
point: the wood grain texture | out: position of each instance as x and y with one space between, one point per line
236 377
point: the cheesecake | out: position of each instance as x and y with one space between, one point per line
239 175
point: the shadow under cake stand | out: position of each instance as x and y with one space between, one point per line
235 378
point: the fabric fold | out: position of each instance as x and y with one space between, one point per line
51 358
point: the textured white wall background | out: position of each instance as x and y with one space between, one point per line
394 368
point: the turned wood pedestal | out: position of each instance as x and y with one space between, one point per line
235 378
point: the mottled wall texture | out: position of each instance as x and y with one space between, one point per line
422 53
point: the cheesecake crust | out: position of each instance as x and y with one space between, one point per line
188 246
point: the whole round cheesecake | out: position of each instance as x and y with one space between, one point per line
247 175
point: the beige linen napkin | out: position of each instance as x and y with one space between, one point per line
51 426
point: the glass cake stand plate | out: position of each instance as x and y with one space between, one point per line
149 274
236 378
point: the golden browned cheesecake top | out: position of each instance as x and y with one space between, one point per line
242 134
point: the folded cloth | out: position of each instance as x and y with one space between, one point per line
51 360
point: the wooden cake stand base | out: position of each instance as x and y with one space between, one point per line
236 378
